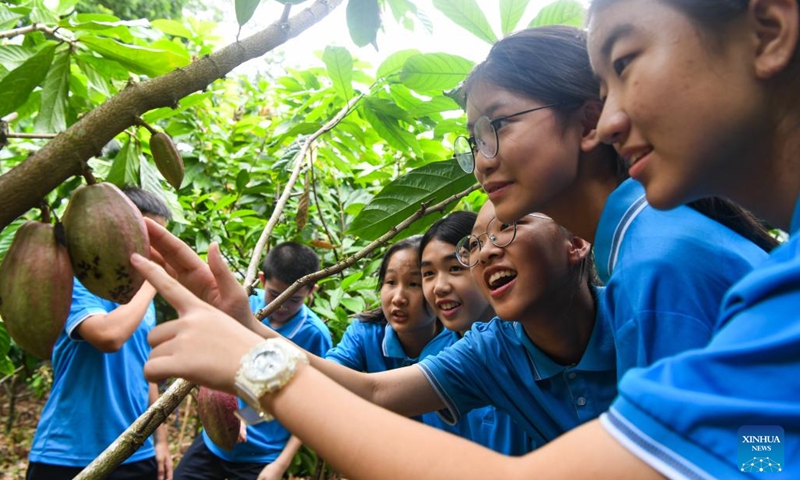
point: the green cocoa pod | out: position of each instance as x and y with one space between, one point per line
215 410
167 158
35 288
103 229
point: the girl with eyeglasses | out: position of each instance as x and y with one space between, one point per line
532 111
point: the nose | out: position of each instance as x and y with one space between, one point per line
614 124
489 252
485 166
400 297
441 286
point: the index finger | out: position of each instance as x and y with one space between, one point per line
173 292
172 250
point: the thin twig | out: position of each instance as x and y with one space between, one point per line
322 216
31 135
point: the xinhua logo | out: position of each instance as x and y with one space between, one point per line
761 448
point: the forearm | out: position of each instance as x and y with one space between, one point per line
289 451
110 331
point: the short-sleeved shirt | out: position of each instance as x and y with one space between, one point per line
374 347
666 274
683 414
266 440
95 396
497 364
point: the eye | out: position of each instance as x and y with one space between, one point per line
390 282
622 63
456 268
505 226
428 273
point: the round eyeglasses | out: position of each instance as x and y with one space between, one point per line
468 249
484 139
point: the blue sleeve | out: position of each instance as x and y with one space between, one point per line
684 413
454 373
84 305
351 350
317 342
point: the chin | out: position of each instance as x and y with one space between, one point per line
509 212
665 197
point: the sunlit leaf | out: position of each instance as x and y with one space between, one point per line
511 12
339 63
173 27
245 10
468 15
402 197
95 79
435 71
103 25
18 84
561 12
12 56
65 6
41 14
435 105
394 62
8 18
363 21
141 60
52 117
385 117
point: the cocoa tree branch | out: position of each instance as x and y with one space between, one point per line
252 269
33 28
23 187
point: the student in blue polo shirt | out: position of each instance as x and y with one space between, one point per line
534 148
98 386
268 448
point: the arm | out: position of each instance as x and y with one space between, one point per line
205 346
276 469
109 332
163 455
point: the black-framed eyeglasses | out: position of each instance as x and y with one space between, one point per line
468 249
484 139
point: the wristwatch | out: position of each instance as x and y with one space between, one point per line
265 369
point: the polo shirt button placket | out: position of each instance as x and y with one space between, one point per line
572 375
581 401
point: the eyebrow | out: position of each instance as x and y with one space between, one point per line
488 112
619 31
276 293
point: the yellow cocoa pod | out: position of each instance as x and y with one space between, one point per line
35 288
167 158
103 229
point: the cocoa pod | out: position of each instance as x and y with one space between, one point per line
103 229
216 409
168 159
35 288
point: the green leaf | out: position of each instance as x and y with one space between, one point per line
402 197
104 25
242 179
18 84
435 71
7 18
6 366
385 118
394 62
95 79
511 12
140 60
52 117
65 6
245 10
561 12
339 63
350 279
468 15
41 14
125 169
12 56
435 105
354 304
172 27
363 21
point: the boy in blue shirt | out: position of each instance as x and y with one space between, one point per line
267 449
98 386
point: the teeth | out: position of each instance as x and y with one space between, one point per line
448 305
498 275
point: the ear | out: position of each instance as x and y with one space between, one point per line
261 279
591 115
579 249
775 23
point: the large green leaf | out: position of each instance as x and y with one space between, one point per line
435 105
52 117
7 18
386 117
41 14
245 10
402 197
125 169
339 63
561 12
18 84
394 62
468 15
434 71
94 78
363 21
103 25
12 56
511 12
173 27
141 60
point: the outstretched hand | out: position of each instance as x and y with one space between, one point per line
204 345
213 282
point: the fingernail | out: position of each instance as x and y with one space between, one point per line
136 258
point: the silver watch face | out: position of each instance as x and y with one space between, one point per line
265 365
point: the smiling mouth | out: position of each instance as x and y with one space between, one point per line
500 278
448 305
633 159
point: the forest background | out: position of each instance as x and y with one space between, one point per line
382 117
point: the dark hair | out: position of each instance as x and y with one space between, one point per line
376 315
147 202
449 229
290 261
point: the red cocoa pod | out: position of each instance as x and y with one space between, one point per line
103 229
35 288
216 414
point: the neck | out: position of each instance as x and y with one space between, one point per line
562 328
414 341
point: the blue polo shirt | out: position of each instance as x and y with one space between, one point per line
95 395
683 414
666 273
374 347
497 364
266 441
